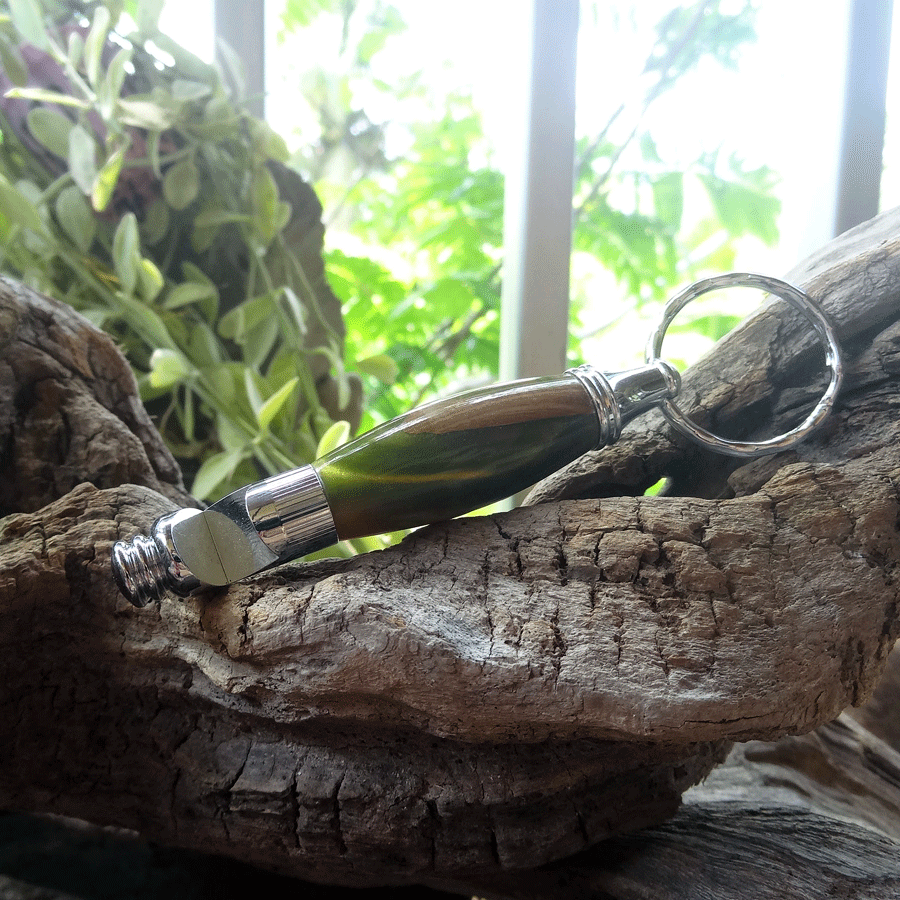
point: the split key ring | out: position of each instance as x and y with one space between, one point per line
808 308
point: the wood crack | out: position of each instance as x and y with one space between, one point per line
374 719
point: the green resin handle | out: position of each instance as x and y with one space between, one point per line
452 456
437 462
434 463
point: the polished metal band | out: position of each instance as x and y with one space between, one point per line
604 402
291 514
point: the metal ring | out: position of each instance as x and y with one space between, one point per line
813 314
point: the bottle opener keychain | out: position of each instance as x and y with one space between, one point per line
440 460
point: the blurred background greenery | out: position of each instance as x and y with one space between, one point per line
411 178
135 185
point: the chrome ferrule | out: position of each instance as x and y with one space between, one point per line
604 402
618 397
290 513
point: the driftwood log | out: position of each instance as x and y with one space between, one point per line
496 694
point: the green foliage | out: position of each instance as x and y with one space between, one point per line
142 193
420 229
439 327
134 187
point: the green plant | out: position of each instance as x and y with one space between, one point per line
417 235
136 188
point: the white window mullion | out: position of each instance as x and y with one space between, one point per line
538 200
241 25
862 130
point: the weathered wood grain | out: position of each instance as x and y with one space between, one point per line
802 818
492 694
69 409
151 721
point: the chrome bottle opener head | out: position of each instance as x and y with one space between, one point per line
254 527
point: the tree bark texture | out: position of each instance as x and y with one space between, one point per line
492 694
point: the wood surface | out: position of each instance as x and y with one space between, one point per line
493 694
